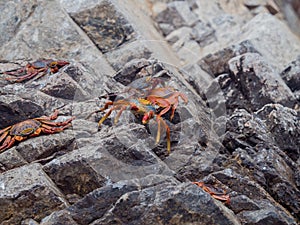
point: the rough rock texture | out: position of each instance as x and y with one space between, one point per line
237 62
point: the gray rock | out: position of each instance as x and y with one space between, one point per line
13 14
203 33
254 79
28 192
62 217
17 111
176 14
217 63
265 30
11 159
145 202
242 141
106 27
291 75
284 125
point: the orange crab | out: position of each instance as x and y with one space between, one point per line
138 106
31 128
214 192
167 98
31 70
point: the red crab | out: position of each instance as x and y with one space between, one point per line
137 106
31 70
214 192
167 98
31 128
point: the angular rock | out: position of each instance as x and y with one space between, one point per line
17 111
27 192
251 79
284 124
14 13
267 209
46 147
63 86
217 63
62 217
291 75
106 27
11 159
266 30
94 162
242 203
176 14
151 201
270 166
203 33
134 50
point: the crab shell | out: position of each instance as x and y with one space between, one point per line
25 128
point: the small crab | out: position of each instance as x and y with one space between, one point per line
166 98
214 192
138 106
31 70
31 128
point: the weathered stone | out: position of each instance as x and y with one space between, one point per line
176 14
137 202
10 159
17 111
242 203
46 146
27 192
264 217
120 57
266 30
183 10
284 124
106 27
254 79
203 33
139 68
116 174
14 13
62 217
63 86
29 222
261 197
217 63
74 176
291 75
259 156
123 153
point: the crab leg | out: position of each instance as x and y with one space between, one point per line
3 136
52 117
16 72
9 141
119 114
25 77
51 130
5 129
106 115
159 120
57 124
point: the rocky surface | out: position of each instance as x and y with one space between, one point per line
237 62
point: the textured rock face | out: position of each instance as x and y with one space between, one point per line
236 61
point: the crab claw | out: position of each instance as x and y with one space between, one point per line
147 116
